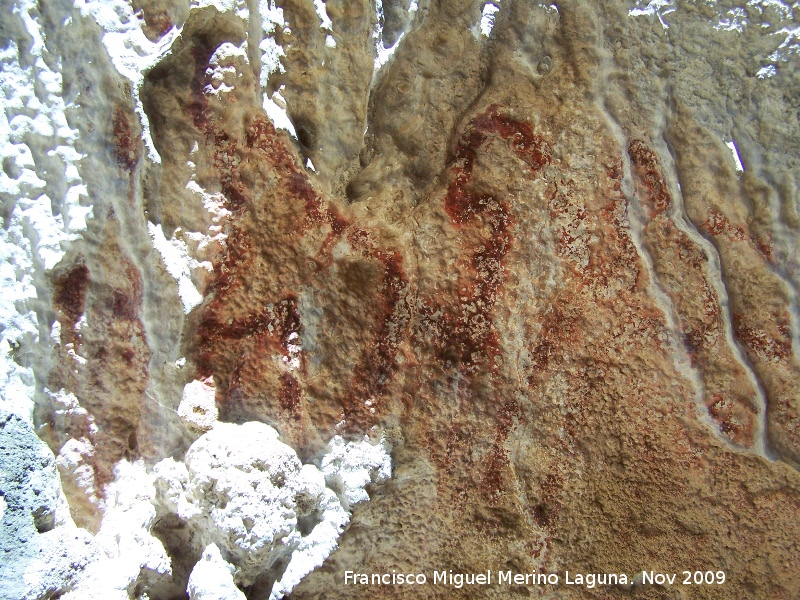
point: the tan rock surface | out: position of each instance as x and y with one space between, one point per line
526 258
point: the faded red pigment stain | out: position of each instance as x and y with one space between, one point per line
262 138
775 347
763 246
497 462
290 394
597 267
378 364
117 367
546 510
69 295
197 107
728 399
125 144
719 225
558 326
721 409
266 332
121 305
156 23
464 334
234 190
645 162
697 331
261 144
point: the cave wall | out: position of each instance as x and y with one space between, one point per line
543 255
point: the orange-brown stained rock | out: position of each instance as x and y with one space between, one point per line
681 267
465 333
156 17
491 306
69 298
105 363
281 241
126 145
379 362
759 304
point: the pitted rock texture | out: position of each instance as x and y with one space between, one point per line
548 253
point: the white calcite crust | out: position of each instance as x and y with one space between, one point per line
198 408
243 490
42 551
351 466
212 578
128 552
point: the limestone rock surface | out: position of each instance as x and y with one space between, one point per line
298 287
39 545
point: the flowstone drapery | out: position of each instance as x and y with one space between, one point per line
295 288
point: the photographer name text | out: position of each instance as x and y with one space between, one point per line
486 578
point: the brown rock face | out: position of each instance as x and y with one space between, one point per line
527 258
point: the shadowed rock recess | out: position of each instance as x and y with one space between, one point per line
292 288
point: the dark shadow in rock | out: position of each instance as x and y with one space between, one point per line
184 553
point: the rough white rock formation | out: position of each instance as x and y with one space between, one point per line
253 507
129 554
212 578
41 550
198 408
243 491
350 466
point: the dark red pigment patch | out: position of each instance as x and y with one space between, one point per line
718 224
764 246
274 326
770 347
117 368
225 346
197 107
378 365
290 394
645 161
262 138
69 294
270 328
461 329
125 145
492 484
464 335
460 204
156 23
262 143
547 509
122 305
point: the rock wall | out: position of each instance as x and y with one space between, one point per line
543 255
